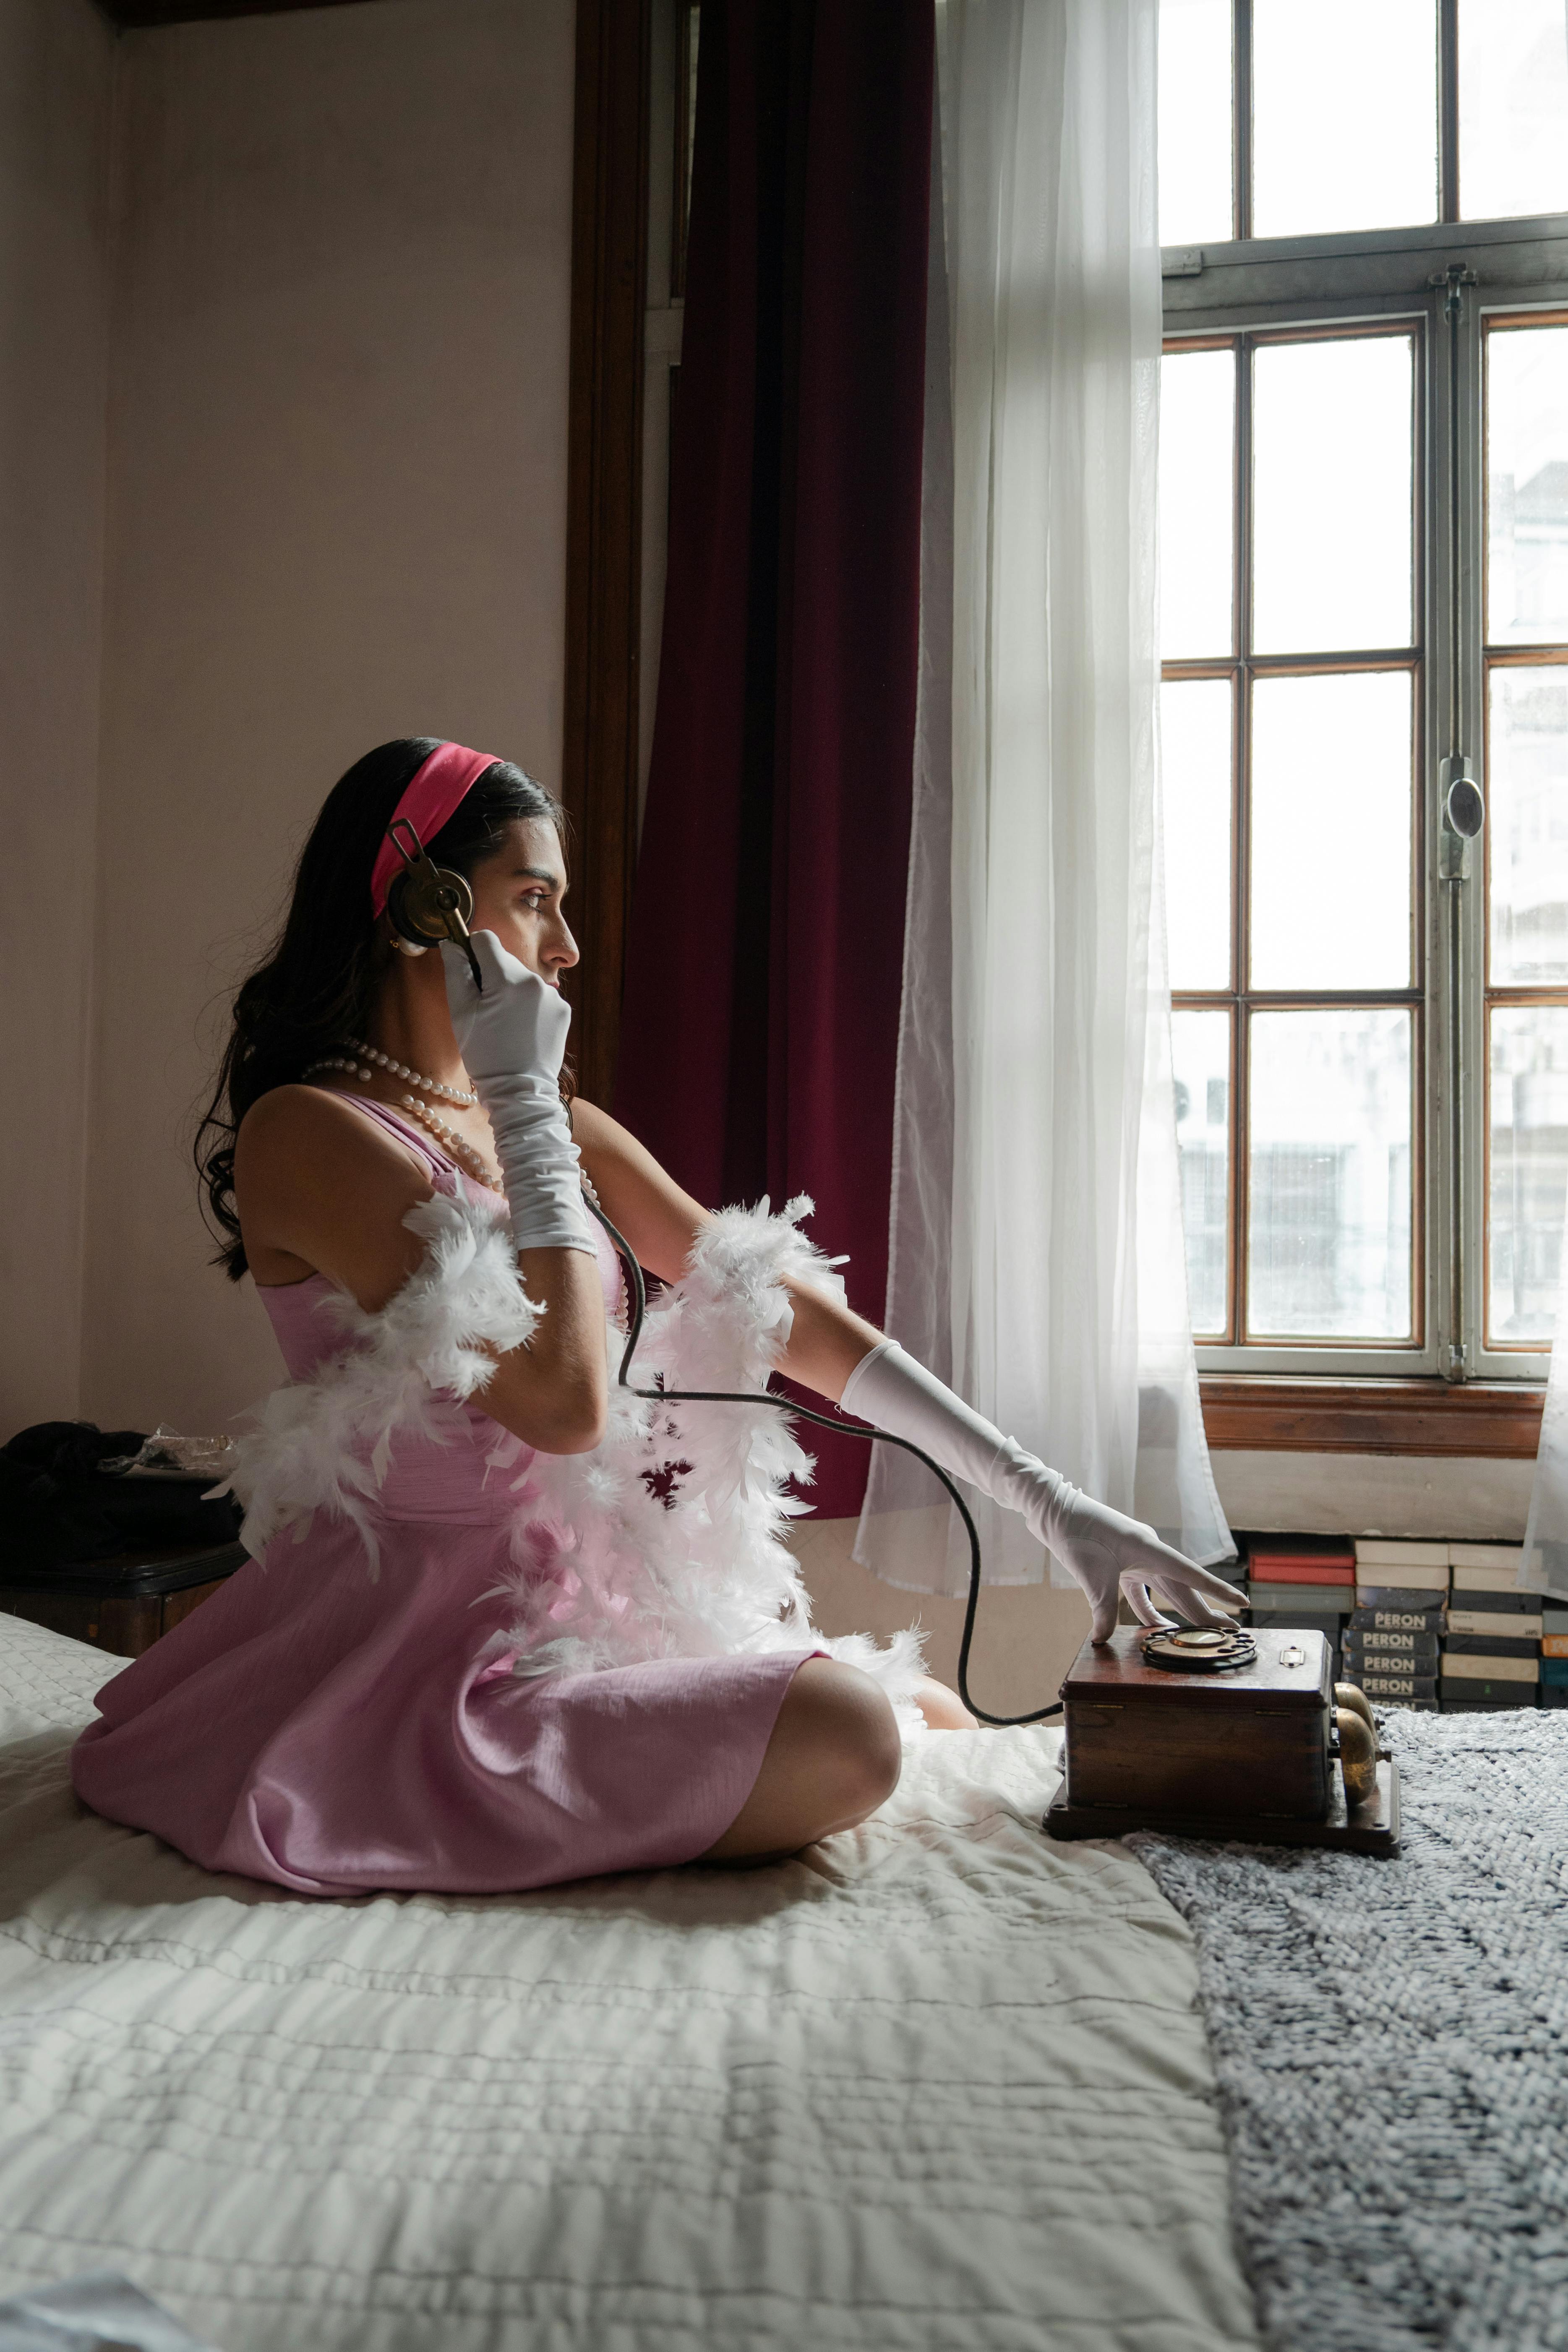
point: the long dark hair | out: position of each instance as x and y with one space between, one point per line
316 986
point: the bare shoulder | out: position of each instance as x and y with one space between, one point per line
307 1140
291 1119
319 1186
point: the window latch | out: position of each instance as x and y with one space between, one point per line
1457 276
1464 814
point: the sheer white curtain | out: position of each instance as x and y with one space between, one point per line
1544 1565
1037 1260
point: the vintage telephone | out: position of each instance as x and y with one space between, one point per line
1209 1734
428 903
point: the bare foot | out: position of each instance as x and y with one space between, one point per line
943 1709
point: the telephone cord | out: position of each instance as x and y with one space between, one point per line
638 1295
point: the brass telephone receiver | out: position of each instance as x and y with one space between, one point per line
428 903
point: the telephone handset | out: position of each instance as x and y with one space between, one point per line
428 903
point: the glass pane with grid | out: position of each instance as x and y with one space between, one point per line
1279 120
1527 1102
1527 485
1197 502
1196 756
1513 108
1332 494
1344 115
1201 1061
1289 754
1332 759
1329 1185
1485 94
1526 668
1196 189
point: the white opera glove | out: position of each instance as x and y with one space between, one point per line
1104 1553
512 1038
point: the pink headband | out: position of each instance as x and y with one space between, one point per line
433 792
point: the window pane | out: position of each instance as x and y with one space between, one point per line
1200 1047
1527 484
1527 826
1197 502
1332 495
1329 1246
1513 108
1529 1169
1344 115
1195 768
1195 204
1331 780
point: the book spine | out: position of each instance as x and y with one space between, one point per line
1489 1645
1297 1571
1512 1674
1486 1698
1402 1654
1508 1628
1402 1596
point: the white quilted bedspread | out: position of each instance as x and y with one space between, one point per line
939 2084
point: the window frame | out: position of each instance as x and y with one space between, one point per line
1488 657
1245 667
1381 278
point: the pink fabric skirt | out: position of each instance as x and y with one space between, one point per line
340 1735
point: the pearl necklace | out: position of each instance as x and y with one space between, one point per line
465 1101
457 1146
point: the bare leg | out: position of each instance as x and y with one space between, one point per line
832 1758
942 1708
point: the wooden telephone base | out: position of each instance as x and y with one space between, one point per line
1373 1828
1245 1756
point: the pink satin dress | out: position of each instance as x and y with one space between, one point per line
340 1735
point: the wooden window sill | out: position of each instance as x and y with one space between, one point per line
1259 1414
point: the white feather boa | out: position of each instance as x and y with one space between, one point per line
325 1442
662 1542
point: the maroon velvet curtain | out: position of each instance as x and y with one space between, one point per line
760 1033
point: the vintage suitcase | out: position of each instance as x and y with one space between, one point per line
124 1604
1250 1751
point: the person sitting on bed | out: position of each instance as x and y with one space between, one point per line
506 1623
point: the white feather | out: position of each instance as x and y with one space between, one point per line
664 1541
325 1442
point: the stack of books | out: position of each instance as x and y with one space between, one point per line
1393 1645
1491 1657
1301 1582
1554 1651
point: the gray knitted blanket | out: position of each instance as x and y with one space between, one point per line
1389 2042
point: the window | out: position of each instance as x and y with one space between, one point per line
1365 537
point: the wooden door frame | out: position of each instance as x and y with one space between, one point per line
603 511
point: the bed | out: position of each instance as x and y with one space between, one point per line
938 2082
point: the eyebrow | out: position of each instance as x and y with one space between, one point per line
539 874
